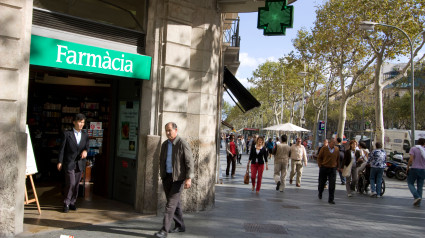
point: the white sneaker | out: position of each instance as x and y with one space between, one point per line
373 194
417 202
349 195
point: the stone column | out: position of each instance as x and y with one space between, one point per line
184 39
15 38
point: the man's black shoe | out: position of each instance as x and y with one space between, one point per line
331 202
161 234
320 196
278 186
177 229
65 208
72 207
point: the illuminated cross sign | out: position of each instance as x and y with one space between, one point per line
275 17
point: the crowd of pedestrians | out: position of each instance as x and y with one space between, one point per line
333 156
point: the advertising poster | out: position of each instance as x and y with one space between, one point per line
128 123
31 165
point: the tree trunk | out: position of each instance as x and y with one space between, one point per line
291 117
379 108
342 117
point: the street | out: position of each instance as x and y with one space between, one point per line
297 212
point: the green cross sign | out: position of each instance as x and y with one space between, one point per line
275 17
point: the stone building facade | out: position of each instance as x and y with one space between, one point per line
184 41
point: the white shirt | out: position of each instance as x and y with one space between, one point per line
77 136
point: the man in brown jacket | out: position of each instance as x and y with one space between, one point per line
176 171
328 162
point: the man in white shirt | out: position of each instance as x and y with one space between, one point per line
298 156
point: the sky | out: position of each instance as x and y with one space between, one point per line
255 48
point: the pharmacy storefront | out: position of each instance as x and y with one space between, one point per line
76 73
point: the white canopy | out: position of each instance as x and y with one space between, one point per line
289 127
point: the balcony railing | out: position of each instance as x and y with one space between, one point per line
231 32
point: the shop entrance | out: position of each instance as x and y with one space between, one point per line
54 97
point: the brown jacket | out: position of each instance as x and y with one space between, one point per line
182 161
328 159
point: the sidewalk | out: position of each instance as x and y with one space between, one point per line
297 212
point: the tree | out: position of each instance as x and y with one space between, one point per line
387 43
336 39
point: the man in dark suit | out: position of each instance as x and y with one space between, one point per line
176 171
72 157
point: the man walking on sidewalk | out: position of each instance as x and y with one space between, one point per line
281 163
298 156
328 162
176 171
416 171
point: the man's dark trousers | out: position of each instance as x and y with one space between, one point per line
231 160
72 183
327 174
172 208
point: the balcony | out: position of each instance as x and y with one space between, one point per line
231 42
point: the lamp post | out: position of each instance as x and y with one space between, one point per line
370 26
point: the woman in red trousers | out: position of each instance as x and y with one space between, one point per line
257 158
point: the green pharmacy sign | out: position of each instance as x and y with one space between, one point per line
67 55
275 17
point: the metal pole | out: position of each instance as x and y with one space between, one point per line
326 109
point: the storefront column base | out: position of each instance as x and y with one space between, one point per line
148 175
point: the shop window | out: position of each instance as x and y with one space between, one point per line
122 13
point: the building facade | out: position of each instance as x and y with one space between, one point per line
126 110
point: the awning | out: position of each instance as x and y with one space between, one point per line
227 124
245 100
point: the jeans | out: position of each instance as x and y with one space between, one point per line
418 176
376 180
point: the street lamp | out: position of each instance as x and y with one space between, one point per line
370 26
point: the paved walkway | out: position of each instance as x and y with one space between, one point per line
297 212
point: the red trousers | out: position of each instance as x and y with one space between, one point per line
254 169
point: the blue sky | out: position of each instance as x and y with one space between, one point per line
256 48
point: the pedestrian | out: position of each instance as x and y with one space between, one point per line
176 171
232 151
416 171
362 156
341 158
277 140
72 158
239 144
351 179
250 143
328 162
298 157
257 158
270 146
281 160
378 162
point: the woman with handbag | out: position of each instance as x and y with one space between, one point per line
257 158
350 168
